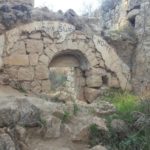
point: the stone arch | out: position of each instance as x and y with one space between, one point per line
79 59
29 49
70 65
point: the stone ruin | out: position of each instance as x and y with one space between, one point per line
43 52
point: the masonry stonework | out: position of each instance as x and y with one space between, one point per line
28 55
92 58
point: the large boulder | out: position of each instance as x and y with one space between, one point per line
52 127
120 128
6 142
18 111
82 131
9 115
29 113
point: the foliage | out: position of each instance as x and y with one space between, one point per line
125 102
66 116
42 122
75 108
96 135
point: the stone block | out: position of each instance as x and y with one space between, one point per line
17 60
114 82
49 53
41 72
18 48
33 59
35 36
44 60
94 81
13 72
36 87
91 94
26 74
46 86
34 46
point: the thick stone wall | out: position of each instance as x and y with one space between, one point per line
29 50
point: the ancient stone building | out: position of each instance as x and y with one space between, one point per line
45 52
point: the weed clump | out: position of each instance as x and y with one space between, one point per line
136 115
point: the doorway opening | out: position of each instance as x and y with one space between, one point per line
66 73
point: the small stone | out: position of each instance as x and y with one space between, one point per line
26 86
35 36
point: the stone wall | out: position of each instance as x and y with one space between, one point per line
111 56
29 50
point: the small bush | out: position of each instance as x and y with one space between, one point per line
66 116
97 136
125 102
94 135
75 108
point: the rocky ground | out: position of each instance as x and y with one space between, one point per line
31 123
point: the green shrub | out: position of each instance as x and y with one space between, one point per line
75 108
144 107
125 102
66 116
97 136
94 135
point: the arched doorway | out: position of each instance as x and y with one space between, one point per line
67 73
